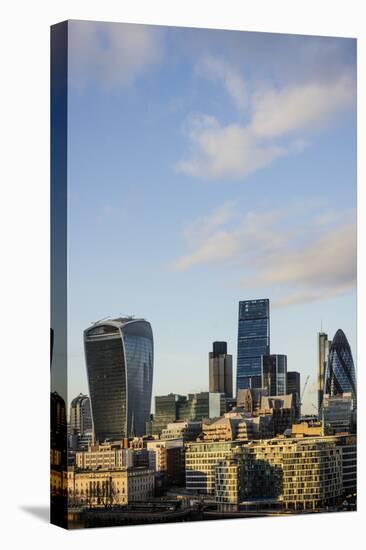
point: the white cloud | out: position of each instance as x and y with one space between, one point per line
215 68
328 260
212 240
308 263
274 117
231 151
305 297
279 112
110 55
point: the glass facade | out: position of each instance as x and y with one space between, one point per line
167 410
253 342
202 405
274 374
340 375
119 360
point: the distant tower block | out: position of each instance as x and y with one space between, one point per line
323 351
221 370
253 342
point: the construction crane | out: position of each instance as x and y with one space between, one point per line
304 388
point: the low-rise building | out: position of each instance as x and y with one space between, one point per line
200 461
238 426
106 456
307 429
167 457
337 412
186 430
98 488
299 473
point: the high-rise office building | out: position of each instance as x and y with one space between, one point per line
294 388
80 415
293 382
167 410
203 405
220 370
340 375
253 342
274 374
119 361
323 351
170 408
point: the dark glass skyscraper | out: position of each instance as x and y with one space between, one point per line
119 361
274 374
220 370
253 342
340 375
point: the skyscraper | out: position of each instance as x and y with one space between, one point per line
274 374
293 382
323 350
253 342
80 415
220 370
340 376
294 388
119 361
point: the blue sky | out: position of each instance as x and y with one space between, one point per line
208 167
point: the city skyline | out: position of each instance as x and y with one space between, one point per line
208 381
180 222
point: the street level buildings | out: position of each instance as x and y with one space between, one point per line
201 459
186 430
302 473
101 488
338 412
107 456
119 361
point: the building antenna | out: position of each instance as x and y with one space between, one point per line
321 325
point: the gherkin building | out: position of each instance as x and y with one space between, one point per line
340 375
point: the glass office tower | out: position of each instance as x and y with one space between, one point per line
253 342
340 375
119 362
274 374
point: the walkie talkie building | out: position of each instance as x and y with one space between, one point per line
119 356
